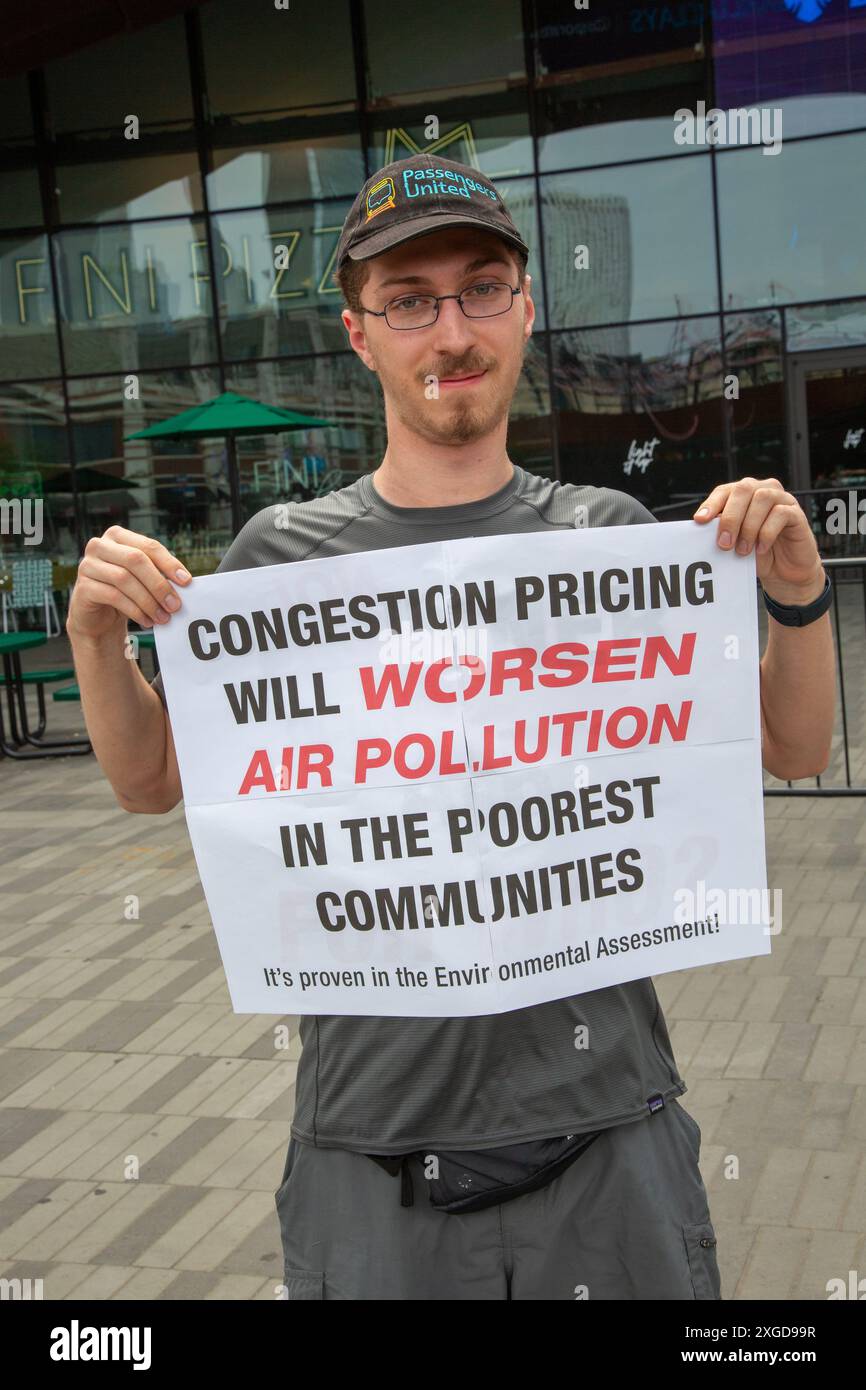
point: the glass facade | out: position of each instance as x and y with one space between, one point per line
678 262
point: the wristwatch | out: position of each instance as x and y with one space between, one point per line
795 615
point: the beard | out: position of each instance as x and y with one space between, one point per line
451 417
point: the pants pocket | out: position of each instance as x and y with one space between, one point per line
291 1150
304 1283
286 1204
693 1127
700 1241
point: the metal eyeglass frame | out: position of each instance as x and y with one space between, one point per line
399 328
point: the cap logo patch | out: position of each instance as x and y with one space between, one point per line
380 197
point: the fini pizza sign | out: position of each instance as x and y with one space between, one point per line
162 271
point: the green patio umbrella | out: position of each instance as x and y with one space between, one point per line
230 415
87 480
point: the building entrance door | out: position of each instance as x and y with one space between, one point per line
827 419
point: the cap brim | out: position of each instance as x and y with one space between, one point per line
389 237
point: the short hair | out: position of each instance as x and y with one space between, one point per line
353 275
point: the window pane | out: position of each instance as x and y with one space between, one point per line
144 73
20 203
265 308
530 441
16 126
809 64
115 191
791 224
496 141
640 408
518 195
268 60
136 296
28 342
459 46
609 81
176 490
815 326
299 464
648 234
753 345
33 455
835 395
248 176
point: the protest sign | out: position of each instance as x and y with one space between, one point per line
469 776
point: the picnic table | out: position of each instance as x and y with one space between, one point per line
24 742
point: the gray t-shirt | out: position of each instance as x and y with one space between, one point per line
389 1085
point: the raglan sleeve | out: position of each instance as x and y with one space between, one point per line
641 514
627 510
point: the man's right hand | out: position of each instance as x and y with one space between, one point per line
122 575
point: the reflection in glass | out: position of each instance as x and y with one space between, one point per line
33 457
753 348
462 47
637 356
123 190
639 408
648 239
298 465
92 92
813 327
136 296
269 60
518 195
529 424
836 412
277 294
791 224
609 80
175 490
490 135
20 203
28 341
318 167
771 56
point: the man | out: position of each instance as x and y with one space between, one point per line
534 1154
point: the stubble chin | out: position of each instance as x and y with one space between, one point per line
445 420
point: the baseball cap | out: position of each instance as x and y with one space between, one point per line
421 194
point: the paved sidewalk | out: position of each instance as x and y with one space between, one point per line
119 1045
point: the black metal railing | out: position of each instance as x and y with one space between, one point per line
847 569
853 569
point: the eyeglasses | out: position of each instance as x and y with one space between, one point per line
420 310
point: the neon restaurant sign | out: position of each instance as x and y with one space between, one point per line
298 261
109 290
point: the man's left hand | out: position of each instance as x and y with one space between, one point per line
758 513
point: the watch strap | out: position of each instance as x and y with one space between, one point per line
800 615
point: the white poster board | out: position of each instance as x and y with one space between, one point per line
469 776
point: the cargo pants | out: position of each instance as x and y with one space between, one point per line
628 1220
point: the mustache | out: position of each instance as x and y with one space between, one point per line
457 369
